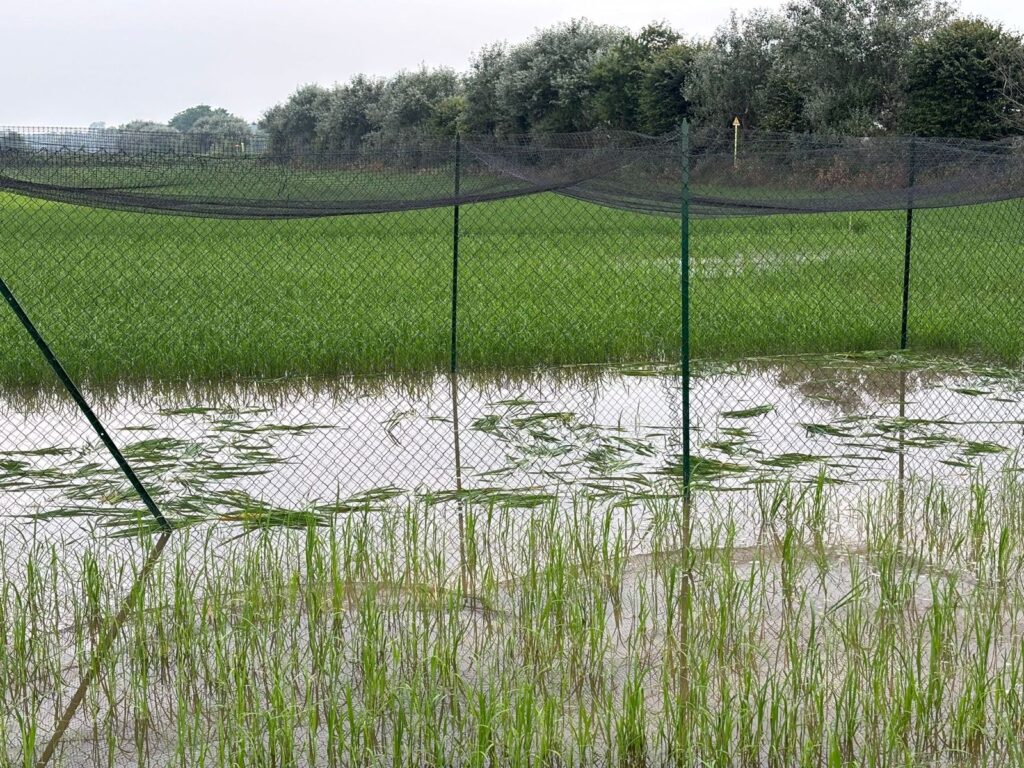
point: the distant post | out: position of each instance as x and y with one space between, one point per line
736 141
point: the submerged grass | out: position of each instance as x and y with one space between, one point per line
795 632
543 280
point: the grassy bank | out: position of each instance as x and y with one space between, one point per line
542 280
882 634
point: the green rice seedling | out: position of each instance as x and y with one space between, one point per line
816 631
544 280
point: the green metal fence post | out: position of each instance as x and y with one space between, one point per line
684 240
453 367
682 739
908 241
904 324
455 257
83 406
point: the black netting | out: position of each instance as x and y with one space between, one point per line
769 174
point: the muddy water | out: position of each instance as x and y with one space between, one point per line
296 448
282 450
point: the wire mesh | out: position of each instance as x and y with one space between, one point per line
277 343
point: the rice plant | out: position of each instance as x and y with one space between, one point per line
793 627
544 280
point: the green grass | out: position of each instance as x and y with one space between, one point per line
543 280
799 630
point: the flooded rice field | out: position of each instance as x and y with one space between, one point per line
287 452
506 573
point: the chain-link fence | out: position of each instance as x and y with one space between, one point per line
436 342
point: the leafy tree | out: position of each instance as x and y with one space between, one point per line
447 115
412 99
292 126
662 102
352 113
781 102
827 65
958 83
483 108
619 73
849 58
729 73
221 133
184 120
546 82
1009 62
147 136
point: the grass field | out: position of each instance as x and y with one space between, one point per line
543 280
883 634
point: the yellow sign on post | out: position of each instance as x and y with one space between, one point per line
735 141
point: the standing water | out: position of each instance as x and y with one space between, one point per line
284 451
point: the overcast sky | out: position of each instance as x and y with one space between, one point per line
72 62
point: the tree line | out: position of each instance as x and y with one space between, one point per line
842 67
204 128
201 128
862 67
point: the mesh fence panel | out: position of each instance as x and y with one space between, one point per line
437 367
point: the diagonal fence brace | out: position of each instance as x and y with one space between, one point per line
83 406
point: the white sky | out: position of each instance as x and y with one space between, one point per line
70 62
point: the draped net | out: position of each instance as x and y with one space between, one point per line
769 174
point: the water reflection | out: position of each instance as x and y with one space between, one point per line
286 451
